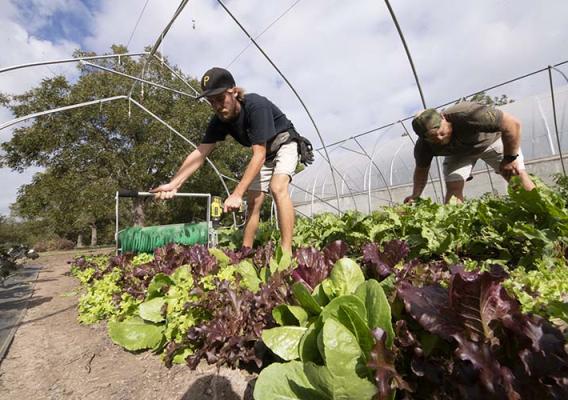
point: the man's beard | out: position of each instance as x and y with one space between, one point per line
226 116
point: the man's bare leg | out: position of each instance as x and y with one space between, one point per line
279 188
455 189
254 200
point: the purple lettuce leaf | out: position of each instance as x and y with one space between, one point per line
202 263
238 316
382 362
334 251
499 352
239 255
379 264
311 268
263 255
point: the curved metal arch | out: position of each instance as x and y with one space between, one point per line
554 117
350 190
334 169
313 196
109 99
372 160
328 159
392 161
112 71
158 41
59 109
407 51
68 60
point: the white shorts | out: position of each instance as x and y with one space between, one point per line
284 163
458 168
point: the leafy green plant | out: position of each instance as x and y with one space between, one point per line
328 342
98 302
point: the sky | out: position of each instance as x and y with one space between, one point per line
345 59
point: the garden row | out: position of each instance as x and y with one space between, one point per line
414 301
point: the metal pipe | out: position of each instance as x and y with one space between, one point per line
391 11
149 194
555 121
295 93
407 52
313 196
116 224
369 196
159 41
561 73
112 71
392 161
302 214
68 60
448 103
109 99
188 141
546 127
378 169
493 190
168 26
65 108
177 75
353 151
343 180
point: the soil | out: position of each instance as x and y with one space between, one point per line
52 356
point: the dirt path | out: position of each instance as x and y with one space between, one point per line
52 356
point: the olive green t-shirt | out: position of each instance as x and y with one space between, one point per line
474 128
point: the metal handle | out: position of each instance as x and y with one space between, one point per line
127 193
134 193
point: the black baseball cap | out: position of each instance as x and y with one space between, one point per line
216 81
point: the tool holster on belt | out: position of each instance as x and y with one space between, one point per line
305 148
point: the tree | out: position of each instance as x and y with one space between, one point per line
484 98
89 153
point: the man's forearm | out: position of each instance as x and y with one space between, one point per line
510 143
420 180
252 170
191 164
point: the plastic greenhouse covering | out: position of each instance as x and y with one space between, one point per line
377 168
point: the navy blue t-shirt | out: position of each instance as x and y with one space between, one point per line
258 122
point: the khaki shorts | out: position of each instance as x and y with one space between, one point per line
284 163
458 168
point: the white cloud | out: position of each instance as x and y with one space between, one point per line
21 47
344 58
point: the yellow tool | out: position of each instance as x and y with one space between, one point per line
216 208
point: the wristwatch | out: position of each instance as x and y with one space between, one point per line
509 159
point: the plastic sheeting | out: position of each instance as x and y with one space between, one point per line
377 168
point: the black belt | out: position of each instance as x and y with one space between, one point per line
305 148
